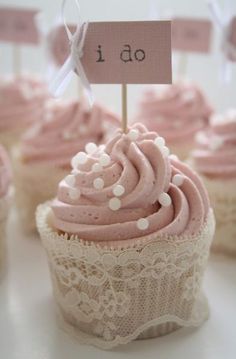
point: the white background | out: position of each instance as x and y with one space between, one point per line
202 68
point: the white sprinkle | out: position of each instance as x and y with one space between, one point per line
102 148
188 96
118 190
178 180
142 223
165 199
79 159
133 135
90 147
104 160
231 114
114 204
74 193
70 180
165 151
216 143
200 137
96 167
83 129
174 157
160 142
67 136
98 183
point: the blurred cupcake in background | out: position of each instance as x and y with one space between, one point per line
215 159
176 112
44 155
22 101
5 198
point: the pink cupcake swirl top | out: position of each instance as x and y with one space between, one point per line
21 102
176 113
128 189
215 153
5 172
66 128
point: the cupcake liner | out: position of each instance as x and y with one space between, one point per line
109 296
223 199
5 203
34 184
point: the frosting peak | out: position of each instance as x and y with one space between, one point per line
21 101
65 129
176 112
129 188
215 153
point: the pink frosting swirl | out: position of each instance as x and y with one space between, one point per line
65 129
138 190
21 102
5 172
176 113
215 153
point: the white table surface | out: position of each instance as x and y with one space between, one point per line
28 327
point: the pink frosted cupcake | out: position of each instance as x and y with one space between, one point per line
22 102
44 155
5 197
127 239
177 112
215 159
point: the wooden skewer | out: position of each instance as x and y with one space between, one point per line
124 107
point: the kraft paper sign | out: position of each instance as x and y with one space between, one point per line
232 37
191 35
18 26
136 52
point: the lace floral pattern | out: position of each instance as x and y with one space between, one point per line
113 295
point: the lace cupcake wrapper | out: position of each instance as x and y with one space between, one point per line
110 296
34 184
223 199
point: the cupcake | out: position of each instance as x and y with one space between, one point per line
177 112
127 240
215 159
5 196
22 102
43 157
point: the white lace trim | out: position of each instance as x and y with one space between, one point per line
223 200
33 187
110 296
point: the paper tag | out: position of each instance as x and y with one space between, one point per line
18 26
192 35
232 38
136 52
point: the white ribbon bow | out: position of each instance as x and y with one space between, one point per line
73 62
223 22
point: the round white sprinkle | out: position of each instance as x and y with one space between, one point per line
70 180
102 148
114 204
160 141
178 180
74 193
133 135
90 147
118 190
96 167
83 129
98 183
142 223
174 157
165 151
105 159
165 199
79 159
